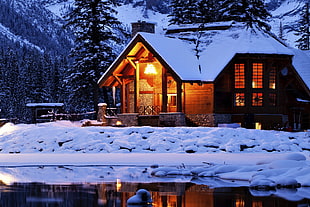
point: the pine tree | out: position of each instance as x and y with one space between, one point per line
208 11
190 10
176 15
249 11
304 29
94 26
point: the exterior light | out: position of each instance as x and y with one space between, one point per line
150 69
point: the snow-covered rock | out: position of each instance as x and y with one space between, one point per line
142 198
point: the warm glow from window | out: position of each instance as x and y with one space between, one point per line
272 78
172 100
257 99
257 204
150 69
240 202
239 76
258 125
118 184
257 75
239 99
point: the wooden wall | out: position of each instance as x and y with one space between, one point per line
198 98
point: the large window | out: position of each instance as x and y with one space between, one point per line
257 99
272 78
239 99
239 76
257 75
259 90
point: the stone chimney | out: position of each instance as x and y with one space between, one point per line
142 26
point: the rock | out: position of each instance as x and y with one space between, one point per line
142 198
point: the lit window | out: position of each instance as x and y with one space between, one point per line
239 76
257 204
239 99
240 202
272 99
257 99
272 78
257 75
173 100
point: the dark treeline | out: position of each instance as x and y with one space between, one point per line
28 76
33 51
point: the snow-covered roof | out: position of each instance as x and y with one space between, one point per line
176 53
201 54
44 104
216 48
301 62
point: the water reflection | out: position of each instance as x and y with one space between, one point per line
116 194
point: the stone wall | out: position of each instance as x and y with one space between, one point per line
130 119
207 120
148 120
172 119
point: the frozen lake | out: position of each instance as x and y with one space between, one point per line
63 164
164 194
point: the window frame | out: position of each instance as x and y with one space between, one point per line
258 75
239 76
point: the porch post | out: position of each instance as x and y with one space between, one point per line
137 88
179 96
123 96
164 90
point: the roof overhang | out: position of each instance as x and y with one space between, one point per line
137 45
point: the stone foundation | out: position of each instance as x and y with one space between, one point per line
172 119
130 119
148 120
207 120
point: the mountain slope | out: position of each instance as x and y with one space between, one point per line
30 24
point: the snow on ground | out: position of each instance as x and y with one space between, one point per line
64 152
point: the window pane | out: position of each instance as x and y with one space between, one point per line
272 78
257 99
173 100
239 99
272 99
239 76
257 75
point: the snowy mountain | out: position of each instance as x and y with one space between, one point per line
285 16
32 25
38 23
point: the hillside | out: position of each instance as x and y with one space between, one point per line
38 23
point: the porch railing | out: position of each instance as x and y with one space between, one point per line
149 110
113 111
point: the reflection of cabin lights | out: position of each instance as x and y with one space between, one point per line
118 184
6 179
150 69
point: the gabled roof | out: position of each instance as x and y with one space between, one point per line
201 53
301 62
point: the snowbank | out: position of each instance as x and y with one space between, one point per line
69 137
65 152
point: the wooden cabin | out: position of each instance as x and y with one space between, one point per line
204 76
